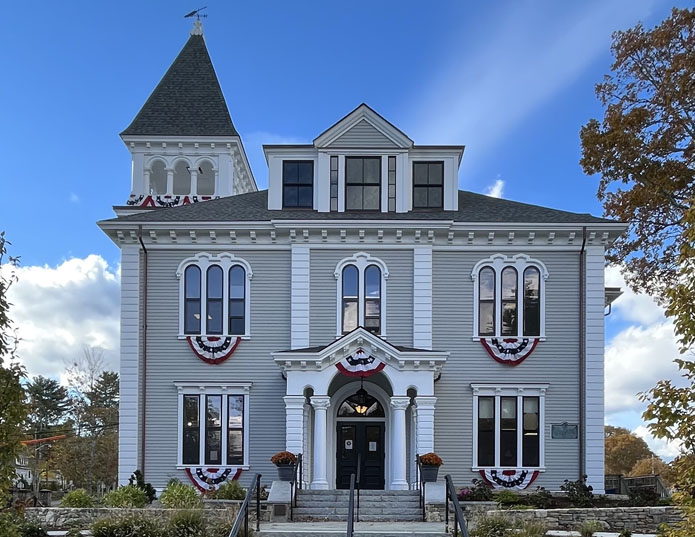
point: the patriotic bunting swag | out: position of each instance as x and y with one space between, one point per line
165 201
360 364
509 479
213 350
209 479
509 351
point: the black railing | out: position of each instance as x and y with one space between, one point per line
459 520
242 516
296 484
421 485
351 508
357 484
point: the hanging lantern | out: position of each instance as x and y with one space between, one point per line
362 399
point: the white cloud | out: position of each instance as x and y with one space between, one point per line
495 190
58 310
522 61
665 449
630 306
74 198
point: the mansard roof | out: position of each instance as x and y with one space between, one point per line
188 101
253 207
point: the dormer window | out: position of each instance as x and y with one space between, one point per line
362 183
428 185
298 184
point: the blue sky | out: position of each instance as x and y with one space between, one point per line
513 81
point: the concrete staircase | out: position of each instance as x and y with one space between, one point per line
375 505
362 529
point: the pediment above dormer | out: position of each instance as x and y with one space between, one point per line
363 128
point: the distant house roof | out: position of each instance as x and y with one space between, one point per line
188 101
254 207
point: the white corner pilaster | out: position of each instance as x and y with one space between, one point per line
425 423
422 297
294 423
129 408
399 404
300 297
321 404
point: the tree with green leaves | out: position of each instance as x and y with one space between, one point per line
12 397
48 404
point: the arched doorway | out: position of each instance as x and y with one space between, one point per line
361 441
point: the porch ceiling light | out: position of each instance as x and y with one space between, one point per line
361 396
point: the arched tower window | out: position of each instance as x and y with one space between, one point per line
206 179
182 179
192 300
158 178
214 300
350 298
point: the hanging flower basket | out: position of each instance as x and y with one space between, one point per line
285 462
430 463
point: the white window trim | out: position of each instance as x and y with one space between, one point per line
361 260
226 261
518 391
498 262
212 388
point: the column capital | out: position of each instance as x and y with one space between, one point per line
320 402
425 402
400 402
294 401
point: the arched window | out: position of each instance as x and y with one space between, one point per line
206 179
361 406
192 300
372 299
532 302
509 297
213 309
182 179
509 306
158 178
350 298
237 294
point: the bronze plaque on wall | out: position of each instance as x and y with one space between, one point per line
564 431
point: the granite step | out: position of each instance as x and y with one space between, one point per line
362 529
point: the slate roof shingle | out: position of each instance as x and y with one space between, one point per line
254 207
188 101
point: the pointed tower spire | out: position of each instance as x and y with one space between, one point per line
188 101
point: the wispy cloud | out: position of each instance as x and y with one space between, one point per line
74 198
495 190
492 83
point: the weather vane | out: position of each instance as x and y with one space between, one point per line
196 13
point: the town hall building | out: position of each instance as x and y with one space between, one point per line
360 311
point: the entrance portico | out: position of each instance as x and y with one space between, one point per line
400 381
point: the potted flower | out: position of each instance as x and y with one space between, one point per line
285 461
429 464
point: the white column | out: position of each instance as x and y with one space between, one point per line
425 423
320 404
170 181
294 423
398 442
194 182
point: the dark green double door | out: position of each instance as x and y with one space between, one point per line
360 444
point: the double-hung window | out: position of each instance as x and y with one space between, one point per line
361 294
213 424
509 293
298 184
428 185
508 426
362 183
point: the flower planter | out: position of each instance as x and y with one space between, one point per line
285 472
429 473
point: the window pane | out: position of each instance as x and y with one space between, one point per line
236 282
235 446
435 197
191 322
372 279
350 281
290 196
419 197
487 284
532 308
236 326
486 431
213 447
486 317
334 164
392 164
214 411
215 282
436 173
372 308
214 314
236 308
192 282
349 316
508 436
191 412
531 438
420 173
305 196
353 170
371 198
372 170
305 173
290 174
236 411
353 198
509 284
191 446
509 326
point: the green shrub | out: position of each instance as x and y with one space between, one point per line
9 523
29 529
176 495
129 496
74 532
588 528
625 533
139 481
578 492
132 526
77 498
479 492
187 524
231 490
643 497
532 528
491 526
505 498
540 499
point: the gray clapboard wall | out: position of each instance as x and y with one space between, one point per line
362 134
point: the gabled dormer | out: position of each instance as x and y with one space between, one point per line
363 163
183 143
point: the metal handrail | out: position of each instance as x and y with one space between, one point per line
243 514
357 483
295 484
351 508
459 519
421 484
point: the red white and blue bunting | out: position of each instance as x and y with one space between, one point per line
209 479
147 200
510 351
213 350
509 479
360 364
